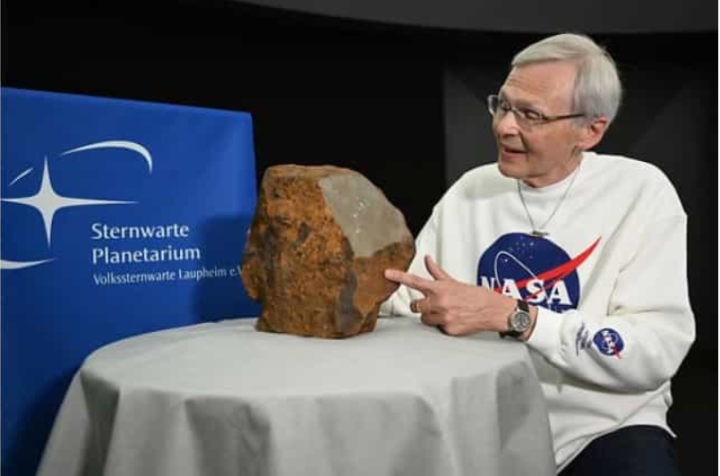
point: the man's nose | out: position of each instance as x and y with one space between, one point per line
506 124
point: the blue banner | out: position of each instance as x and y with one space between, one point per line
118 218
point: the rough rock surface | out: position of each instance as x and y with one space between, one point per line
319 242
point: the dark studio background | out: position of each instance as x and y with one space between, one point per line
395 91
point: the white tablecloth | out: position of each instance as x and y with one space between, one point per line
223 399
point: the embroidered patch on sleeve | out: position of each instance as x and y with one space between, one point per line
609 342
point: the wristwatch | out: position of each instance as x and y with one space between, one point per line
519 320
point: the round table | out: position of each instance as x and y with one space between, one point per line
224 399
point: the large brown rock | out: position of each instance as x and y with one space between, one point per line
319 242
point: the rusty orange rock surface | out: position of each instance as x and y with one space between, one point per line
319 242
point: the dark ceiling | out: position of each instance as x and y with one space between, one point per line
520 16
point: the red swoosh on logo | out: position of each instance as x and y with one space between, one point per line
552 276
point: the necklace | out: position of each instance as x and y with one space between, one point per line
538 231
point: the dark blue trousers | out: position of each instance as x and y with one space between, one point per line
633 451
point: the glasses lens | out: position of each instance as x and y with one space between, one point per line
492 101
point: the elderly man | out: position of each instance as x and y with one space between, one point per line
581 256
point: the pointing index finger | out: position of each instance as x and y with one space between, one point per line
410 280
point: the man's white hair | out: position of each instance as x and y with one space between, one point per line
597 89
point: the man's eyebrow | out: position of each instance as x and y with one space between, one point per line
520 102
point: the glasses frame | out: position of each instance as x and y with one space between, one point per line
520 115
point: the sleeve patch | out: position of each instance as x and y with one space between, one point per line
609 342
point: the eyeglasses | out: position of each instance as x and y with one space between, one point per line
525 117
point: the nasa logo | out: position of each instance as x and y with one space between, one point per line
533 269
609 342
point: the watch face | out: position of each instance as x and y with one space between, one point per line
520 321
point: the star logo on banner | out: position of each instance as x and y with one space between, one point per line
47 202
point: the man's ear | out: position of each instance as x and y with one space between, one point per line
592 133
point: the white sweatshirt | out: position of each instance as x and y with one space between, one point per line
614 319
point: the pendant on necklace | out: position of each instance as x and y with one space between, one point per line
539 234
